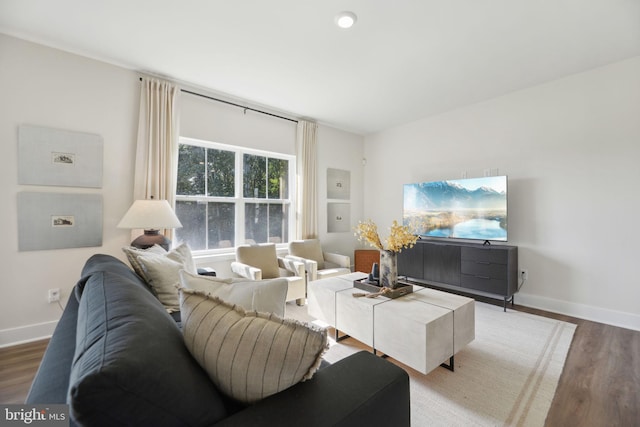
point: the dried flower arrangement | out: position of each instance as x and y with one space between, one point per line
400 236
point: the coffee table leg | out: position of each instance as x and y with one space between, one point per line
339 338
383 355
450 366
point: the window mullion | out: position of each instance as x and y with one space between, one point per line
206 198
239 211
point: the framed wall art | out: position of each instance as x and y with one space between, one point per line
338 217
338 184
58 220
58 157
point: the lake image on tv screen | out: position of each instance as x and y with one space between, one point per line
465 209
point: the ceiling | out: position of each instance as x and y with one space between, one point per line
403 59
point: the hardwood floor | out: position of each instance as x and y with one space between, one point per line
599 386
600 383
18 366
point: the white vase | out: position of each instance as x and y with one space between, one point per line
389 269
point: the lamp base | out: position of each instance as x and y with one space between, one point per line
150 238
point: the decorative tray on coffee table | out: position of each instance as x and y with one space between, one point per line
366 285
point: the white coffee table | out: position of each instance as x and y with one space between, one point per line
464 314
355 316
422 330
321 296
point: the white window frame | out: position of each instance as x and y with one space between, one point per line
238 199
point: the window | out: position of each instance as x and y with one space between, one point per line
226 195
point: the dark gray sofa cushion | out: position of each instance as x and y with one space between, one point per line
100 262
122 374
51 382
360 390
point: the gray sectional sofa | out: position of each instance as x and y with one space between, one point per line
118 358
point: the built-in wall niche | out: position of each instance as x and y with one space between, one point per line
338 188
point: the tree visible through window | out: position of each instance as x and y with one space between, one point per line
227 196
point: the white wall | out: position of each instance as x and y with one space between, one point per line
46 87
571 149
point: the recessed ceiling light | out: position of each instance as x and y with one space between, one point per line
346 19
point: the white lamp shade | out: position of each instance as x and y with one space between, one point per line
150 215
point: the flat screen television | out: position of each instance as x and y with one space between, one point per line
474 208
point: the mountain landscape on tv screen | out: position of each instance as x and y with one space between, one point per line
467 209
448 195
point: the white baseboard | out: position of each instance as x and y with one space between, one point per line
24 334
596 314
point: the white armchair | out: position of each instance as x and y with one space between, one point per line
259 262
318 264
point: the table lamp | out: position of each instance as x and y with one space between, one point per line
150 215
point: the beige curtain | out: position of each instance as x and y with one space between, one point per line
157 149
307 199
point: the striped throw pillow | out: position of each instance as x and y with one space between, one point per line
248 355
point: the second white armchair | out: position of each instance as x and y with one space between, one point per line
318 264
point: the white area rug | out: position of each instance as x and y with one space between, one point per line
506 376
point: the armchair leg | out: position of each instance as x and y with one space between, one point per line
301 302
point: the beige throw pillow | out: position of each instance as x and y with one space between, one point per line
248 355
181 253
133 254
162 273
163 276
266 296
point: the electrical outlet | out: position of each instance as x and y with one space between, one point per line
523 274
54 295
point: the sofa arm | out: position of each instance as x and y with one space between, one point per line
310 266
51 383
361 389
246 271
337 259
295 267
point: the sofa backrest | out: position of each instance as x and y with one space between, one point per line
100 263
131 365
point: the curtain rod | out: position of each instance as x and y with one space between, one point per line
245 108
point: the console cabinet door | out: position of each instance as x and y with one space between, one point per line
442 264
410 262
